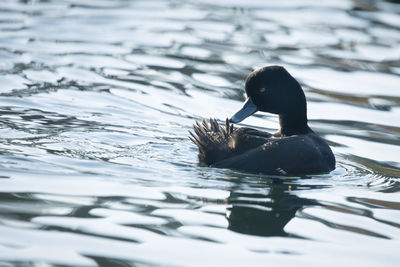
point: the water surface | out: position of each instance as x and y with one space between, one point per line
96 98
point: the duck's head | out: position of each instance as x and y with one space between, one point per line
272 89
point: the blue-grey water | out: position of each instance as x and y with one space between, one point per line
96 100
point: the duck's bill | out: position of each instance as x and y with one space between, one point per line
248 109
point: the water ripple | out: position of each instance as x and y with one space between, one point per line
96 101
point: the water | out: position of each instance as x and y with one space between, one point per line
96 99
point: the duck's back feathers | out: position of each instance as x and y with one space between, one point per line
216 143
211 140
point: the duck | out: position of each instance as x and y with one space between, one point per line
295 149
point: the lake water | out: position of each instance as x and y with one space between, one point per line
96 100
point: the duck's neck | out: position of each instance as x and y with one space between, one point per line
294 123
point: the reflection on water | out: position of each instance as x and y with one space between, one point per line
96 98
264 215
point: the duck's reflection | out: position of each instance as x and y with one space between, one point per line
264 214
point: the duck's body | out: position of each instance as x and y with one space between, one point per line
261 152
294 150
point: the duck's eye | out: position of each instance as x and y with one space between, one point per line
262 90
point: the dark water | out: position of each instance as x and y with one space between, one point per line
96 98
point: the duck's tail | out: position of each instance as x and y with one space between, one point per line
211 140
